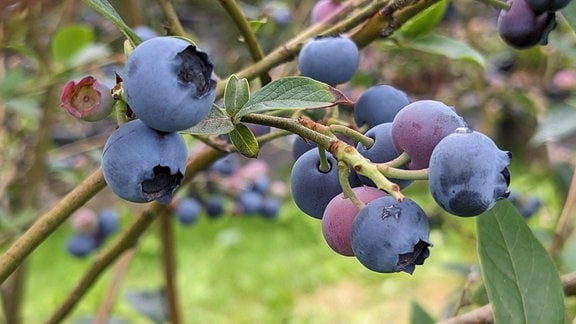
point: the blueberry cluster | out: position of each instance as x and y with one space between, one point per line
246 189
91 230
168 84
528 23
467 174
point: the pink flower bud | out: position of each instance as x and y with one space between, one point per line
88 99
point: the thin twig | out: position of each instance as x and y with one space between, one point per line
235 12
173 21
103 260
169 265
122 265
129 238
563 226
48 222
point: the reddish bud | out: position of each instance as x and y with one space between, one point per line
88 99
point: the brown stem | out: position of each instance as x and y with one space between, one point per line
175 27
102 317
169 264
129 238
232 8
103 260
47 223
562 230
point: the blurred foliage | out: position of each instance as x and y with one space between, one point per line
247 270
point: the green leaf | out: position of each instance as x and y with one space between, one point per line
521 279
236 94
446 46
559 123
244 141
424 21
419 316
107 10
569 14
293 93
69 40
256 24
217 122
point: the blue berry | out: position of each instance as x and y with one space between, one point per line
187 210
523 27
312 188
379 104
81 244
329 59
389 236
419 126
108 222
300 145
261 184
271 207
214 206
226 165
251 202
339 216
168 83
145 32
383 150
468 173
141 164
547 5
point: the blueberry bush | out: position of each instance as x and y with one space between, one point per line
233 121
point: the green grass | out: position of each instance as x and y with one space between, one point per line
248 270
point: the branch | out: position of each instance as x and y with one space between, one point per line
48 222
562 230
232 8
173 21
169 265
484 314
129 238
120 270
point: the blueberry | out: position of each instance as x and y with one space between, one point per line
251 202
81 244
419 126
261 184
187 210
522 27
468 173
145 32
141 164
547 5
168 83
108 222
312 188
301 145
379 104
389 236
214 206
329 59
271 207
339 215
226 165
383 150
257 129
